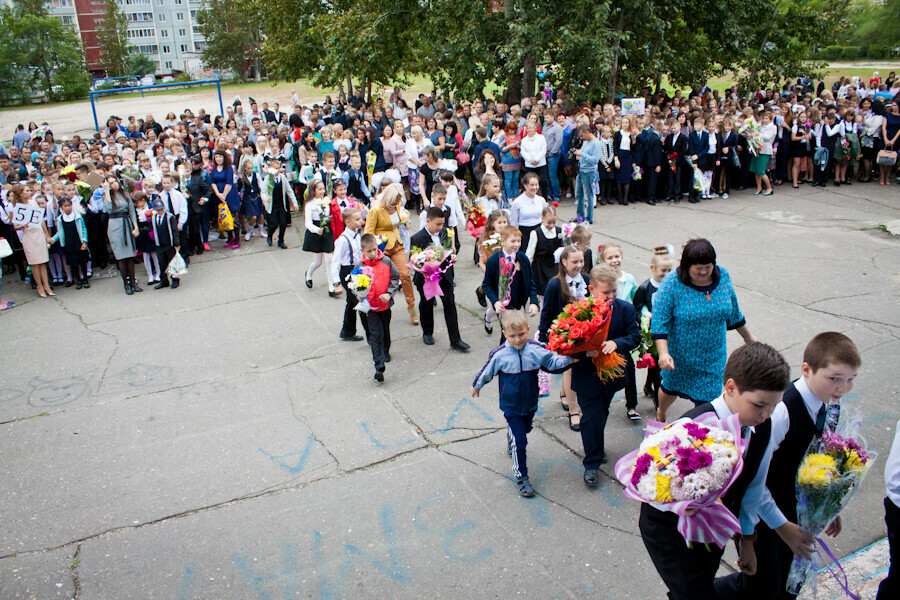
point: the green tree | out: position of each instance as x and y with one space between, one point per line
875 24
140 64
112 34
47 55
375 41
233 35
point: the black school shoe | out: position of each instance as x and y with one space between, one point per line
591 477
482 299
525 489
379 376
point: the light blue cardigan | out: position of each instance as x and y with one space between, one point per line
61 232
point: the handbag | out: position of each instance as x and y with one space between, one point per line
226 221
868 141
887 158
462 158
5 248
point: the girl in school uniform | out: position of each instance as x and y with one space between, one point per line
144 242
72 237
496 221
604 168
50 213
249 188
623 141
800 147
570 284
318 238
542 247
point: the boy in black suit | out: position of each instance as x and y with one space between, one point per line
698 147
652 153
521 289
811 405
595 396
675 148
165 234
434 234
756 376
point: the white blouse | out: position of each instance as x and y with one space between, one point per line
527 211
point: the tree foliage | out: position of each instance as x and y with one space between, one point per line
375 41
112 34
233 34
40 54
875 24
140 64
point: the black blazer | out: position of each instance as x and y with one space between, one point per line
553 305
198 187
624 331
522 288
422 240
652 148
678 146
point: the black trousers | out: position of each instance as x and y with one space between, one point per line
674 187
648 184
184 243
348 328
165 255
594 413
630 383
773 563
426 311
379 336
195 228
890 586
96 224
688 572
277 219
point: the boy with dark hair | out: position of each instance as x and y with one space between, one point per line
385 283
756 376
811 404
520 288
517 362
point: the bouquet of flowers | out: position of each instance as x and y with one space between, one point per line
750 130
359 280
688 465
476 218
84 192
583 326
645 354
370 164
508 268
491 244
131 177
829 475
68 172
673 160
637 173
382 242
567 230
324 217
430 262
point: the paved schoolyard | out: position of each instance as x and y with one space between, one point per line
219 441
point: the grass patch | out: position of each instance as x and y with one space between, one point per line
881 227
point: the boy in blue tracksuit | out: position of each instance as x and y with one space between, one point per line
517 363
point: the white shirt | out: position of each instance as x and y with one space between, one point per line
534 149
314 209
892 470
577 286
347 253
456 212
414 150
550 234
781 423
178 205
526 211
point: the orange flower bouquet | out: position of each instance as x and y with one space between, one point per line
583 326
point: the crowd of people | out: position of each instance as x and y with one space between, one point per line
162 192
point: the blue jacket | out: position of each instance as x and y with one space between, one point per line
79 224
624 331
522 288
518 374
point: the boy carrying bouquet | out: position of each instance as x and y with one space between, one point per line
508 279
347 254
385 283
756 376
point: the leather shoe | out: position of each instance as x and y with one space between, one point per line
269 240
460 345
482 298
351 338
282 245
175 283
651 202
379 376
591 477
387 357
162 284
429 340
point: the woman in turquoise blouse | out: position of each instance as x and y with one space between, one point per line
692 311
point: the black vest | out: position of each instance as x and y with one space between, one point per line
759 441
354 188
782 478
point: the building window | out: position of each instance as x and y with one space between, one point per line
179 16
199 46
162 17
194 15
182 33
184 48
60 3
169 64
166 50
164 33
179 1
66 19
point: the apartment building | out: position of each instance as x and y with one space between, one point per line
164 30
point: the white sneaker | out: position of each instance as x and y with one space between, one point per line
725 196
568 195
213 235
247 237
713 195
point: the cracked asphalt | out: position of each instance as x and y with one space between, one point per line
219 441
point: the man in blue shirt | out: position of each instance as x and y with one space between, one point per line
588 157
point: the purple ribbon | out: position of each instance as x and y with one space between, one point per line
844 584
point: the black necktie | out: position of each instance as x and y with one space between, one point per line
820 419
169 200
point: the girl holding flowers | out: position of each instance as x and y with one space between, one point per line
318 238
487 245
